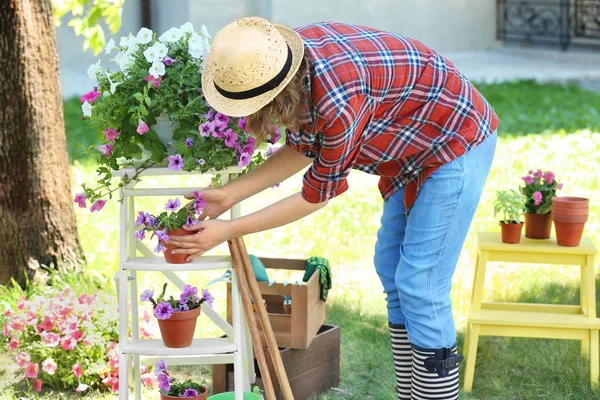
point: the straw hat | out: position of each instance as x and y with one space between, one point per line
250 62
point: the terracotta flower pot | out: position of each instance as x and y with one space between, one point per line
570 202
570 215
569 219
558 210
511 233
178 331
201 396
537 226
176 258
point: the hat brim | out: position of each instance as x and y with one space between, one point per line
243 108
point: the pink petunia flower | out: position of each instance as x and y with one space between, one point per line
37 385
148 380
22 302
50 339
106 149
32 370
22 359
7 312
142 127
90 97
13 344
98 205
111 135
528 179
537 198
80 199
32 319
68 343
49 366
538 174
82 387
17 324
154 81
78 336
77 370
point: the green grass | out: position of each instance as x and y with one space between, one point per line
568 143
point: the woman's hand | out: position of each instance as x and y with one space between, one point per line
217 202
211 234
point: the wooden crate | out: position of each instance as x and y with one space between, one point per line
310 371
297 330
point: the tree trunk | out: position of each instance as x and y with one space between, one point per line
36 207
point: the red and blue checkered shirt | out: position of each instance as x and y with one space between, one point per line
384 104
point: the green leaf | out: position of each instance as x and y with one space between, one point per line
138 96
148 101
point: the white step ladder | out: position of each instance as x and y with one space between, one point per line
235 348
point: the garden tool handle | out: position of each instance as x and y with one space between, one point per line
284 383
251 320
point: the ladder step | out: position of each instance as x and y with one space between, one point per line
199 347
203 263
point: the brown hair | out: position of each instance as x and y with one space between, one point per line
285 109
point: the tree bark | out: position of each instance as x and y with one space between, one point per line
38 227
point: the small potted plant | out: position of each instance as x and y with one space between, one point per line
539 189
170 223
510 204
171 388
177 317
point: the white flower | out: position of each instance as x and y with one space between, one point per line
132 41
151 54
93 70
144 36
187 27
109 46
123 41
124 61
87 109
113 85
172 35
205 32
196 51
206 43
161 50
157 69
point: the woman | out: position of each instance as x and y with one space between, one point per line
356 98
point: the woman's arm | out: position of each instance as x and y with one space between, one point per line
215 232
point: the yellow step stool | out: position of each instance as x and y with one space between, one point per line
551 321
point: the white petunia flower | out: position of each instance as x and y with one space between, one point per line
113 85
205 32
123 41
87 109
157 69
151 54
161 50
109 46
93 70
196 51
172 35
187 27
124 61
144 36
206 44
132 41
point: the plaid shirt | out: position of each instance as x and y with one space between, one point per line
384 104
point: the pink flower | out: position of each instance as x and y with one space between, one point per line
90 97
17 324
22 359
32 319
549 177
32 370
37 385
50 339
78 336
47 323
176 162
7 312
82 387
242 124
276 135
13 344
206 128
77 370
106 149
527 179
559 186
538 174
154 81
68 343
21 303
80 199
148 380
85 299
537 198
143 369
114 387
111 135
98 205
230 138
5 331
49 366
244 160
142 127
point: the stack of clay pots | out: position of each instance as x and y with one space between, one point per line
569 215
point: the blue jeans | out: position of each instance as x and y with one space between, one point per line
415 257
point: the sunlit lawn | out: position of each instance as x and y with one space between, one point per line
344 232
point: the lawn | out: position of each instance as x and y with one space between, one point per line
543 126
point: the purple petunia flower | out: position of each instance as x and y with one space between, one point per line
200 202
537 198
163 310
106 149
206 129
207 297
527 179
189 291
183 306
242 124
162 235
201 161
160 248
190 221
230 138
142 127
276 135
244 160
222 118
146 294
150 221
210 114
189 142
81 197
190 393
161 367
140 235
163 382
173 205
175 162
98 205
167 60
140 218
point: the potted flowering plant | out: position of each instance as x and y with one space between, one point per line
177 317
511 205
170 388
170 223
539 189
151 111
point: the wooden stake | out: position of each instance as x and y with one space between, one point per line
250 318
265 323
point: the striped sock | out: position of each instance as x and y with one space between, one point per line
402 360
429 385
